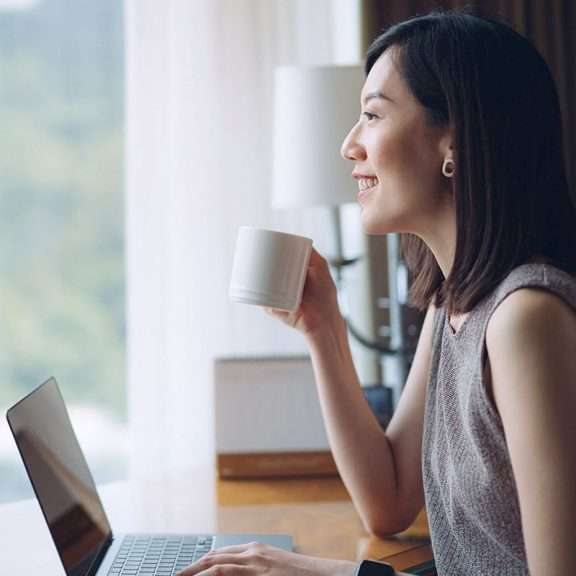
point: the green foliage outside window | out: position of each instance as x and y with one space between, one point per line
61 201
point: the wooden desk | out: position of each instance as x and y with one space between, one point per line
320 516
318 513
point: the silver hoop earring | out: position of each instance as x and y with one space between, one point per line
448 167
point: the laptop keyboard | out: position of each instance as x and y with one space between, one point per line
158 555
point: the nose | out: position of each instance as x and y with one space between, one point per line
351 149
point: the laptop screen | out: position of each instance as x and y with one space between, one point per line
60 476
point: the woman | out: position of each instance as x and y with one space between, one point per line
458 147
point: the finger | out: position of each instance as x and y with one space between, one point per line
231 569
235 549
316 257
285 316
277 313
233 555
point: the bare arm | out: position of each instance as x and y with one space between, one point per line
382 471
531 343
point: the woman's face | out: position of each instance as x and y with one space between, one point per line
398 157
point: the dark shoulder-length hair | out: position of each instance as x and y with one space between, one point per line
512 202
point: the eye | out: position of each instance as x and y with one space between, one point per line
369 115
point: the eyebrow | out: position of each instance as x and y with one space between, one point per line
379 95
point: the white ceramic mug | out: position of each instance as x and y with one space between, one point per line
269 268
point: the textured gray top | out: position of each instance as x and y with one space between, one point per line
471 497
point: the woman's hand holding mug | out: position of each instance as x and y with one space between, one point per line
284 274
318 308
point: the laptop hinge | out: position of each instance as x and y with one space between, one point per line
99 557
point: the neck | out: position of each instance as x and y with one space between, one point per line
441 240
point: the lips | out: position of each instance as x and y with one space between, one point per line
365 186
367 183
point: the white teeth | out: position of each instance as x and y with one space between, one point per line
365 183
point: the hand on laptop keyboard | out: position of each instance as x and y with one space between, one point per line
256 559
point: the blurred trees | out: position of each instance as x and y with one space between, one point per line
61 200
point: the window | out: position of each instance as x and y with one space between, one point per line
62 220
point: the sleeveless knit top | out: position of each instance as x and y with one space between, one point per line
471 498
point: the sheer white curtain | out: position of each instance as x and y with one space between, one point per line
198 157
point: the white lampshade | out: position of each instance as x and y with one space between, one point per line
315 108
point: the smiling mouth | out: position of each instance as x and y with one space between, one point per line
365 184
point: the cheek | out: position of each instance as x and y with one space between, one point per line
406 165
399 152
405 160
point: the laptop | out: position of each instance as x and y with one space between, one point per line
72 508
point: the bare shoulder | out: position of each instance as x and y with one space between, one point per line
531 315
531 346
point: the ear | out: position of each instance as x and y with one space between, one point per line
445 143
